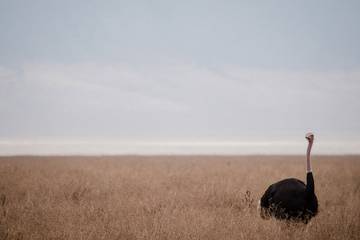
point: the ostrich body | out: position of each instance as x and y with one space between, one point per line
291 199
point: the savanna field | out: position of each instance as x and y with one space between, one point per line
170 197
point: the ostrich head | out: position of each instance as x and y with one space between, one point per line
310 137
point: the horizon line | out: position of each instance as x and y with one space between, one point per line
100 148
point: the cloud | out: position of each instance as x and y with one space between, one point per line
178 101
7 74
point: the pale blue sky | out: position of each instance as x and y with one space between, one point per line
179 71
317 35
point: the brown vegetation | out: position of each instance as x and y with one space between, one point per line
169 197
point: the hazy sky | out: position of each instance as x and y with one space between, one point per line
179 71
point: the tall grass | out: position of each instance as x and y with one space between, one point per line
169 197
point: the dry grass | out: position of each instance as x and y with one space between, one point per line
169 197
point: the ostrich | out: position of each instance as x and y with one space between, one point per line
291 199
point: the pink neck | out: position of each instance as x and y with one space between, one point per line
308 162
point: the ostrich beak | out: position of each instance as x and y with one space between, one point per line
309 136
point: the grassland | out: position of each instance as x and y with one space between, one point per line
169 197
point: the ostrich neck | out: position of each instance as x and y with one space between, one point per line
310 186
308 160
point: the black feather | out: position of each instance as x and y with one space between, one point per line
290 199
